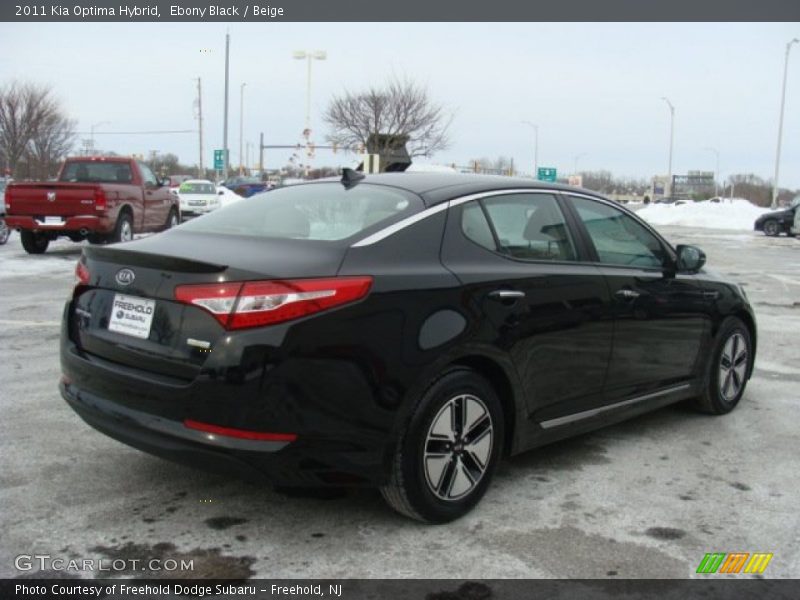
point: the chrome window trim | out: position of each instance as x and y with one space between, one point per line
446 205
586 414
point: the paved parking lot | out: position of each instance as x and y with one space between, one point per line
647 498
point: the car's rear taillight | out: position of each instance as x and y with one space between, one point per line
100 202
81 273
259 303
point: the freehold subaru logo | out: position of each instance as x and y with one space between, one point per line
125 276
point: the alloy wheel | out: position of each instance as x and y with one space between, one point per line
732 366
458 447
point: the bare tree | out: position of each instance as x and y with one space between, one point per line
50 144
33 127
399 109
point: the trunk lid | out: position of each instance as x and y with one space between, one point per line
137 281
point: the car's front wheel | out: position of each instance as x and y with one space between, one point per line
447 455
771 228
728 368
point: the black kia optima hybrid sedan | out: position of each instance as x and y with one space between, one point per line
403 331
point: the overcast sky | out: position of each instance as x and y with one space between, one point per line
594 89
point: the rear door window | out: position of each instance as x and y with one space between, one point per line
530 227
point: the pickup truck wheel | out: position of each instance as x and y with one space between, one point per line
34 243
124 229
771 228
172 219
5 232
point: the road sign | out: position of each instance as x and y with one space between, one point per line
219 160
546 174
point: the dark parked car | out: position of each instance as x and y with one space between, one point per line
404 331
775 223
246 186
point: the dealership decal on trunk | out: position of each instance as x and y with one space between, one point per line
131 316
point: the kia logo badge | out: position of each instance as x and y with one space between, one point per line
51 196
125 276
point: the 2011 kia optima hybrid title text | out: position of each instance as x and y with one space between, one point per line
403 331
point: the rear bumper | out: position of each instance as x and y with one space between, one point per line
93 223
147 412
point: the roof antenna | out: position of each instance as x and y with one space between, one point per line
350 178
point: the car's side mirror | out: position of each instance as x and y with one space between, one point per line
163 182
690 259
220 193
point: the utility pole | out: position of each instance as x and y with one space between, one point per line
671 139
535 146
241 126
780 125
200 167
225 126
261 154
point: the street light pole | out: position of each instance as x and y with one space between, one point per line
308 56
200 167
716 171
671 139
535 147
241 127
780 124
225 120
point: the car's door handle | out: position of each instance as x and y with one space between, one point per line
506 294
627 294
711 295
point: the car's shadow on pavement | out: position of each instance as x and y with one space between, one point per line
212 497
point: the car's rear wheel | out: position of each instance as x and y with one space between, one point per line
447 455
771 228
34 242
124 230
727 371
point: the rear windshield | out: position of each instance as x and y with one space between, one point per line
196 188
96 172
320 211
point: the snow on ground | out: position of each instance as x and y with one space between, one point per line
736 215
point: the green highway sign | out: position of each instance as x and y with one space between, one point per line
219 160
546 174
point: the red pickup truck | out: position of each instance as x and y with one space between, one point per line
102 199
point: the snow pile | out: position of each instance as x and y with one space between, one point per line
736 215
429 168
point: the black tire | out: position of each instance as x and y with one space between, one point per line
123 232
771 228
173 219
423 454
728 369
5 232
34 243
